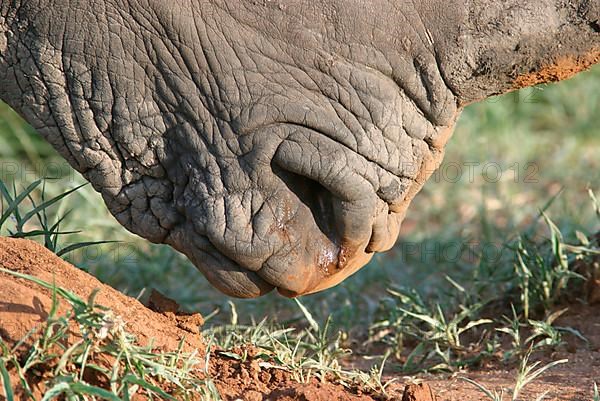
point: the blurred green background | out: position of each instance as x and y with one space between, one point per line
510 156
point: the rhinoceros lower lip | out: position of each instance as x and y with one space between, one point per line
334 269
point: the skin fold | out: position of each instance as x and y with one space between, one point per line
277 144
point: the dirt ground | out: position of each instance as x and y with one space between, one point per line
24 305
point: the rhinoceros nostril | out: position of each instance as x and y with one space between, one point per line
315 196
331 228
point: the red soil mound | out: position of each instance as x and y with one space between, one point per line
24 305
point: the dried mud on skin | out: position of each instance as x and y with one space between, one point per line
558 70
24 305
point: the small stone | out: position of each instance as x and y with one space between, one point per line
418 392
190 323
162 304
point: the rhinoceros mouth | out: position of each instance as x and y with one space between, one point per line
345 221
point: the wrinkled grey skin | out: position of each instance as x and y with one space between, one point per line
276 143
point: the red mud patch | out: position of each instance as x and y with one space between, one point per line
558 70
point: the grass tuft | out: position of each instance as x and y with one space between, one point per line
12 204
525 375
424 336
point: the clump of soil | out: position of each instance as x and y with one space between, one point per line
190 322
24 305
418 392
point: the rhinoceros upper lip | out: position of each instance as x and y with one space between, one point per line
394 172
345 145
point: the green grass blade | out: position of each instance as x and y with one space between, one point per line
595 201
482 388
86 389
434 323
55 391
67 295
74 247
149 387
13 206
550 202
37 233
54 228
8 390
542 396
557 242
309 317
537 373
5 192
45 205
